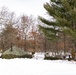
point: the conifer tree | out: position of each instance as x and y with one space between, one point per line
63 13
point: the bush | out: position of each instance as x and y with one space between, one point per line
52 58
26 56
33 52
69 59
10 56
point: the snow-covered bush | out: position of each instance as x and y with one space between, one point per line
10 56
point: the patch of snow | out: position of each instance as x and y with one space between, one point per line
38 55
36 67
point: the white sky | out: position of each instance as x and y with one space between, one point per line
28 7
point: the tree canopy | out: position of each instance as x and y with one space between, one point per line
63 13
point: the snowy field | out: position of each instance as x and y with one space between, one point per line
36 67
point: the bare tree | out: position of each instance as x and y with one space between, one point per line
25 27
8 28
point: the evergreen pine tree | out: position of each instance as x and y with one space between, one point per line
63 13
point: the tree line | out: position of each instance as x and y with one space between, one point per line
56 34
19 31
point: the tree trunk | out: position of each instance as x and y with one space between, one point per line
64 43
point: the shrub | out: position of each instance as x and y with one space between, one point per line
33 52
10 56
26 56
52 58
69 59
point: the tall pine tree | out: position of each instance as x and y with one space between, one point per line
63 13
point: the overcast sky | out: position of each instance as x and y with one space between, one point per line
28 7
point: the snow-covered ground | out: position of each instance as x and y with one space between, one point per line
39 55
36 67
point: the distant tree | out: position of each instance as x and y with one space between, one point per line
24 28
34 36
8 29
9 35
26 23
